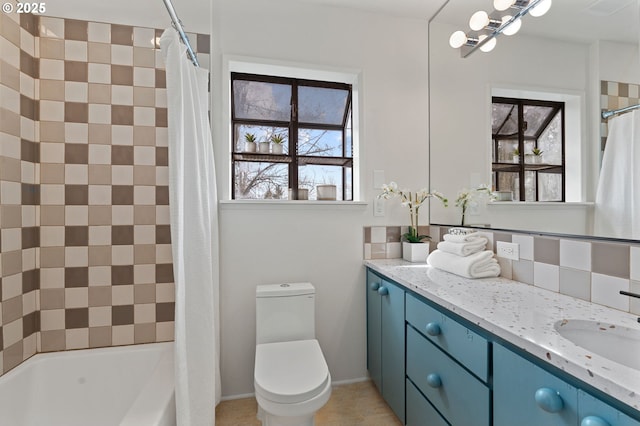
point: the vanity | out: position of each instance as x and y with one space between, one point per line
445 350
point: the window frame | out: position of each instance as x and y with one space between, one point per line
291 157
522 167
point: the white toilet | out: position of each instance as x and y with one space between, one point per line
291 377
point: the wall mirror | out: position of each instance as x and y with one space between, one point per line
582 53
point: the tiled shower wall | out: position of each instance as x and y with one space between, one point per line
86 250
614 95
589 269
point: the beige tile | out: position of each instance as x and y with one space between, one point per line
99 32
143 57
99 336
144 333
51 131
52 215
100 133
77 338
52 90
99 296
99 53
123 334
100 255
51 48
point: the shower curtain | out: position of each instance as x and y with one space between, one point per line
617 206
194 237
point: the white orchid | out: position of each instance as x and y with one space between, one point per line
466 197
412 200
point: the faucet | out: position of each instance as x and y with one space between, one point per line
628 293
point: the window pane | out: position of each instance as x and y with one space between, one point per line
261 133
529 186
325 143
534 117
506 147
261 180
504 119
550 186
261 101
550 141
508 181
348 138
312 175
321 105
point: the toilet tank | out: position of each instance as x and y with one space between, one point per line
285 312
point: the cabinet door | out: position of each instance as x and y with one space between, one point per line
393 372
520 388
419 411
374 329
591 409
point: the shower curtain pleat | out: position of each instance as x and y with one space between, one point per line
194 237
617 206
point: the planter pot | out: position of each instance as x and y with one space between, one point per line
415 252
250 147
263 147
276 148
516 159
537 159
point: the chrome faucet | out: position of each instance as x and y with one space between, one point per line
628 293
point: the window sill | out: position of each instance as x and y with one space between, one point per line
543 204
292 204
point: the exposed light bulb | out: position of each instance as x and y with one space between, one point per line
488 46
457 39
513 27
541 8
479 20
503 4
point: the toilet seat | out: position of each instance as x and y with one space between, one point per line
290 372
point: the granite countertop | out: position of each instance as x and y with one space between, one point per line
524 315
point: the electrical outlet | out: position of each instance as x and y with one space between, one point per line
378 206
508 250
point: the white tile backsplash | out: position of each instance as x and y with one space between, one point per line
575 254
546 276
635 263
526 246
605 291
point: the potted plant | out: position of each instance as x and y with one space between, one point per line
277 143
249 142
264 147
516 155
413 247
537 155
466 196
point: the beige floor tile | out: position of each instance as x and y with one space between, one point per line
350 405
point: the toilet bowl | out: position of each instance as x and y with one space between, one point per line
291 377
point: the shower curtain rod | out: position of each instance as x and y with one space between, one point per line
607 114
177 24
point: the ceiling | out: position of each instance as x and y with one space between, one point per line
420 9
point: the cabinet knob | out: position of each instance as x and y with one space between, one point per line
433 329
374 286
549 400
434 380
383 291
594 421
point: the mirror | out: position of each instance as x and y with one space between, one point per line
562 56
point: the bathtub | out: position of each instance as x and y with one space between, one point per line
118 386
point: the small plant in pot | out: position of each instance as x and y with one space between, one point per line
516 155
264 147
249 142
277 143
537 155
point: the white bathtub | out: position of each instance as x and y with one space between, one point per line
119 386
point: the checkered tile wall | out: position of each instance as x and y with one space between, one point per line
614 95
86 249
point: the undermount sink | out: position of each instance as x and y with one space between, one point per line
614 342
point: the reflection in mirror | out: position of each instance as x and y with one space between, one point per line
576 55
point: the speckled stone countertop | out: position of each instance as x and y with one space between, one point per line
524 315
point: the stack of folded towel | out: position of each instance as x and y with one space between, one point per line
463 253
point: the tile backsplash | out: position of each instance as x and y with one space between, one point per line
85 256
589 269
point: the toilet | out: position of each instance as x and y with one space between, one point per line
291 377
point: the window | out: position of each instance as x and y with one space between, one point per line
305 128
529 148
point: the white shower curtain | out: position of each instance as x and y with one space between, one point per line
194 237
617 209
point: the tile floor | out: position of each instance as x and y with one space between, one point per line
349 405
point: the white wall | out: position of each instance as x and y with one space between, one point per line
317 243
461 118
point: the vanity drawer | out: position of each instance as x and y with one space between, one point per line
419 411
468 347
460 397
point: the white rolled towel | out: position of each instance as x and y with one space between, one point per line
477 265
465 248
462 238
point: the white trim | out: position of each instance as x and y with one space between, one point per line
291 204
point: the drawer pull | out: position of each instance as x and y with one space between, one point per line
374 286
594 421
433 329
434 380
383 291
549 400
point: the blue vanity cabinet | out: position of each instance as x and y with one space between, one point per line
449 365
594 412
526 395
386 341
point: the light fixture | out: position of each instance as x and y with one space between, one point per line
503 4
510 28
505 19
540 8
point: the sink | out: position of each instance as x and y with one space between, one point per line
614 342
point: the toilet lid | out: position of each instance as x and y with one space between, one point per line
290 372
